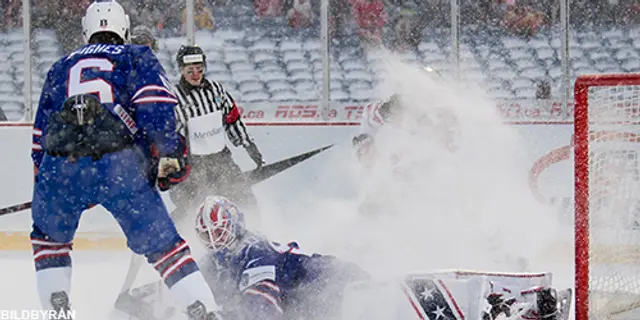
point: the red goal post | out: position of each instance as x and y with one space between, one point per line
607 194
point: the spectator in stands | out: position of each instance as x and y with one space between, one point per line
12 13
146 12
142 35
371 17
630 12
543 92
268 8
69 24
44 14
338 17
523 20
203 16
408 26
299 14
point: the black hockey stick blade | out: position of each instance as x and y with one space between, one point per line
267 171
16 208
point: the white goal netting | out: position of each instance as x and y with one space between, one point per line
607 129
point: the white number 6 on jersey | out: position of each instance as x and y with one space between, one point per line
99 86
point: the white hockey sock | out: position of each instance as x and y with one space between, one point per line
191 288
52 280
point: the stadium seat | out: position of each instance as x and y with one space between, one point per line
269 67
312 44
234 56
539 43
263 45
8 87
522 64
630 65
241 66
6 77
599 53
293 55
281 75
623 54
284 95
521 82
277 85
302 85
295 66
244 76
221 76
264 56
250 85
300 75
290 45
339 95
215 66
308 95
255 96
314 55
533 73
361 95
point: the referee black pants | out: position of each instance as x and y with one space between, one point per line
214 174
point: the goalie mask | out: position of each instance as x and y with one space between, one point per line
219 223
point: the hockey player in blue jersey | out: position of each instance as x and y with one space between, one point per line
105 134
255 278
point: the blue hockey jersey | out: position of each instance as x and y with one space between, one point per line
277 281
127 80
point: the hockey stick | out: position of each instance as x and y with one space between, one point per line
266 172
252 176
16 208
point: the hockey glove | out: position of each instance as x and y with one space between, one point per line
173 168
498 305
255 154
364 145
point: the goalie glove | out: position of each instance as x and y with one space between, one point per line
498 305
538 303
364 145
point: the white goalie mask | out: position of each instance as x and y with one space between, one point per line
219 223
105 16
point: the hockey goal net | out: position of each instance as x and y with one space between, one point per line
607 196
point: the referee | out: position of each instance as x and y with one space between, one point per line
209 117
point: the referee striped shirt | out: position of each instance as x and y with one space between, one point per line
207 98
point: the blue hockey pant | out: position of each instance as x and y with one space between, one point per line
117 181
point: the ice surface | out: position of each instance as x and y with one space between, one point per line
97 279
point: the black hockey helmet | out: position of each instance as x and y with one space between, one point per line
191 54
142 35
390 107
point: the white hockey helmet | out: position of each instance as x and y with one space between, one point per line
219 223
105 16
